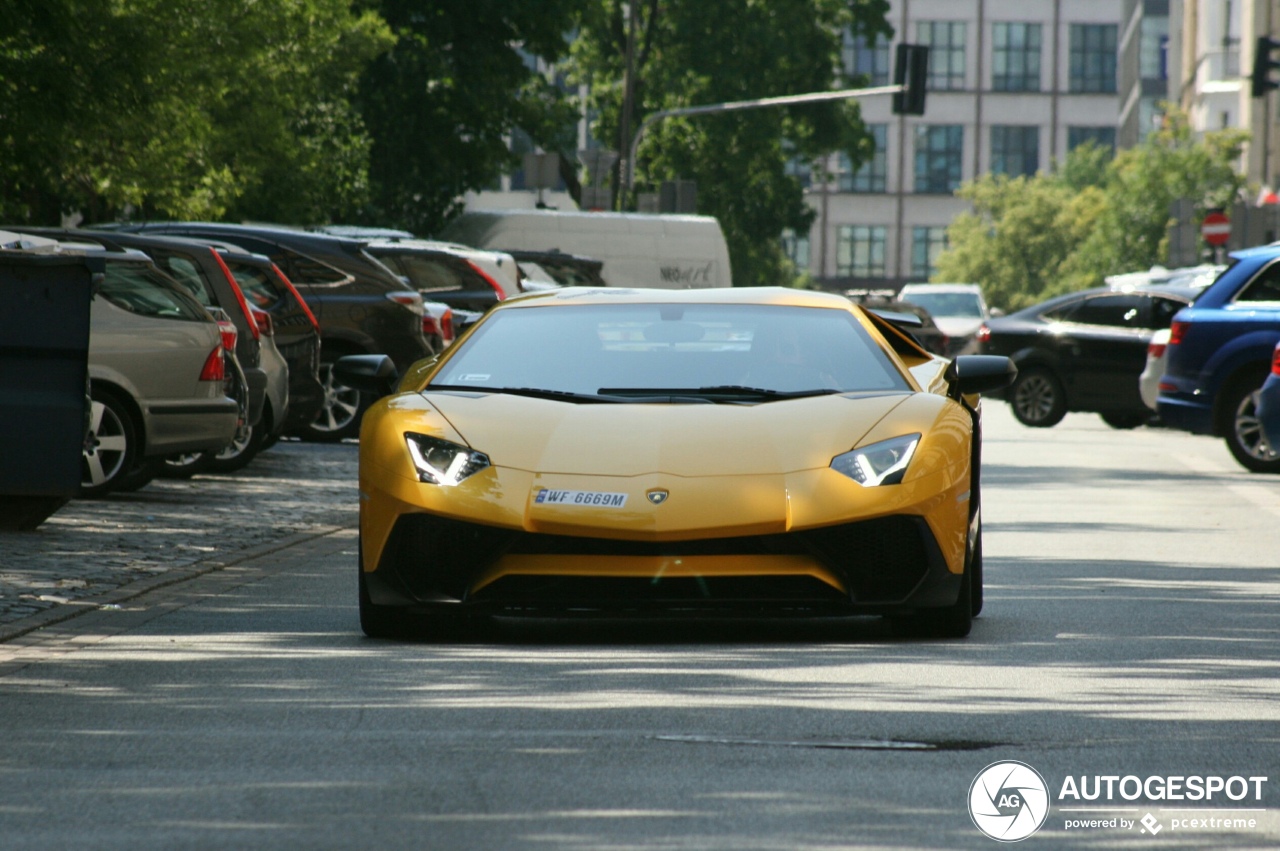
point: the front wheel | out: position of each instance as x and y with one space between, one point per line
1037 398
1244 432
110 446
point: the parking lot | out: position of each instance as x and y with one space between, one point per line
96 552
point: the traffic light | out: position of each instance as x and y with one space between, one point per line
911 71
1266 56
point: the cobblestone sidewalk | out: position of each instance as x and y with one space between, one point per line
92 547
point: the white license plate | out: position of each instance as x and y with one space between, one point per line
590 499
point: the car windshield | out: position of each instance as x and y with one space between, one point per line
698 352
947 304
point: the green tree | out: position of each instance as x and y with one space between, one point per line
693 52
442 104
1020 238
1027 239
184 108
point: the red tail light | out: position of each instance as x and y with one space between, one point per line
1177 331
502 294
263 319
1275 362
429 326
235 287
446 326
229 334
305 309
984 334
214 368
1155 350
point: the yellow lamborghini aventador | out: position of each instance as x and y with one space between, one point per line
755 450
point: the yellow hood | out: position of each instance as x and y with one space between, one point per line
680 439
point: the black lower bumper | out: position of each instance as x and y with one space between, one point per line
889 565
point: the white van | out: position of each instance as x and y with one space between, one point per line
638 249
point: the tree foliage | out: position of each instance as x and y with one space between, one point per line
692 52
182 108
1027 239
442 104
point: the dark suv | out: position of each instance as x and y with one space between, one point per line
362 307
1220 351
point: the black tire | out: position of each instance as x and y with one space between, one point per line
185 465
142 474
381 621
240 451
340 414
1037 398
975 570
391 622
1243 431
952 621
110 447
1124 420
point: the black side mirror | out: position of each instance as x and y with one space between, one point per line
367 373
969 374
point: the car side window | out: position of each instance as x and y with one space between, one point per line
257 286
1163 310
1123 310
433 274
1264 287
186 272
146 291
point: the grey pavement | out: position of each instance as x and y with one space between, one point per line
96 553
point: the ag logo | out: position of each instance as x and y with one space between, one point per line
1008 801
658 496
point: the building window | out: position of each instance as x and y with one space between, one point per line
860 252
800 169
865 58
1015 149
1103 137
872 175
796 247
1093 58
945 40
1153 50
1015 63
939 150
926 245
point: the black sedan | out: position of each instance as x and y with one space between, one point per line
1083 352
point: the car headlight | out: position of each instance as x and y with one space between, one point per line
883 463
440 462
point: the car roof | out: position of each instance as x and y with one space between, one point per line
942 288
710 295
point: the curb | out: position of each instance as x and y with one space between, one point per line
139 587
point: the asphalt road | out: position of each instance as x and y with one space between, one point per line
1130 630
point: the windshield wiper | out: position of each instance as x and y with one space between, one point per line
718 392
534 392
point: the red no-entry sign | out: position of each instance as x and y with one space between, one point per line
1216 228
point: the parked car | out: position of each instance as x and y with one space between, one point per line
958 309
456 275
909 317
263 370
157 370
1082 351
1220 352
1268 406
566 270
626 486
284 316
361 305
1197 277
